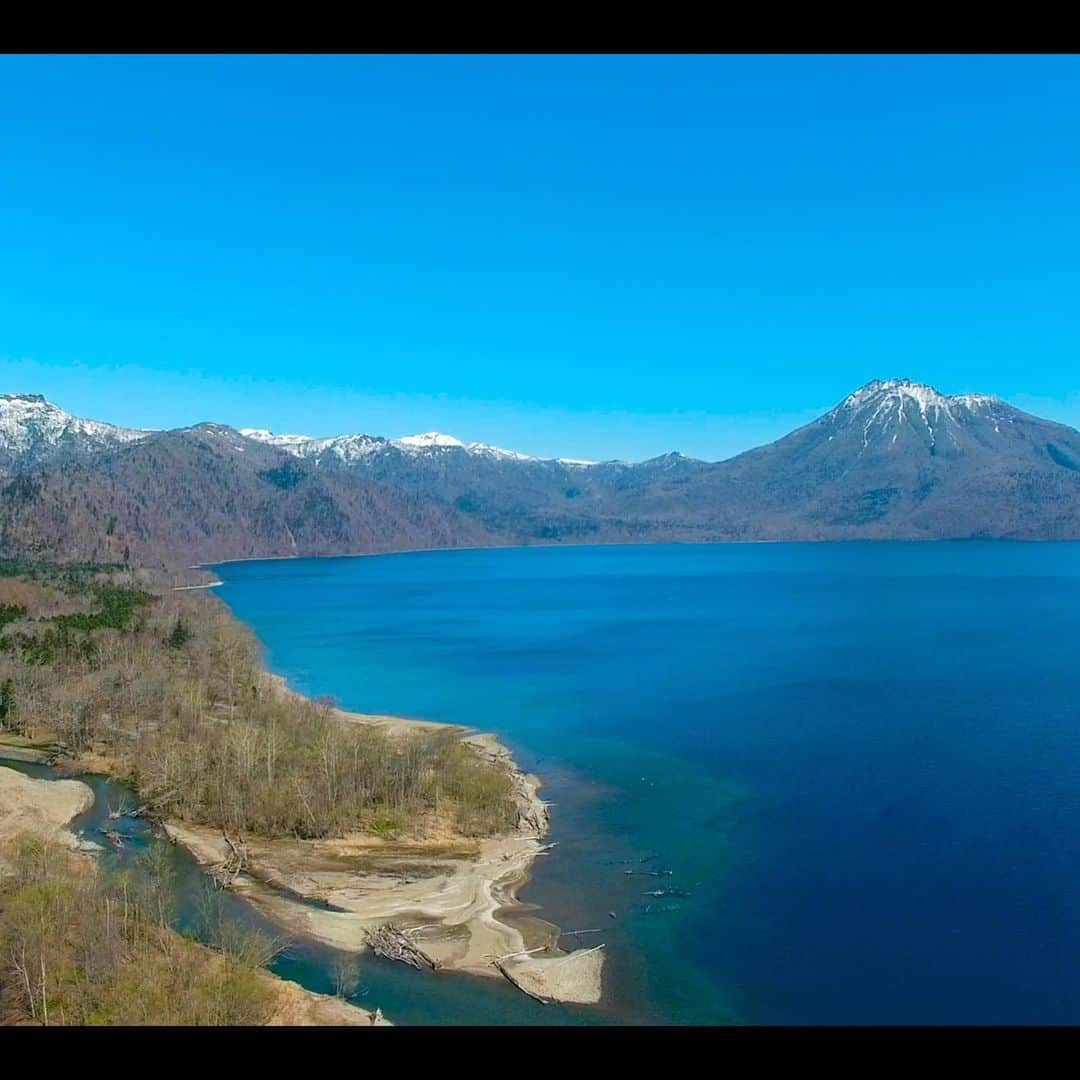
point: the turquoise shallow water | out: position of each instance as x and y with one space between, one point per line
859 764
405 996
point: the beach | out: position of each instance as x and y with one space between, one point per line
456 898
45 809
41 807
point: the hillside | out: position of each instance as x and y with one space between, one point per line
205 493
895 459
899 460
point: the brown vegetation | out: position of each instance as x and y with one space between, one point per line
171 691
865 470
205 494
77 947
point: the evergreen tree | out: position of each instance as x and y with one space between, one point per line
179 635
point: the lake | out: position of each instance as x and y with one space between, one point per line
854 768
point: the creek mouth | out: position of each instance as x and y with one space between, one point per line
404 995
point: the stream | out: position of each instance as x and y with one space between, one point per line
406 996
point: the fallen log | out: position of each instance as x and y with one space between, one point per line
394 943
520 952
577 954
227 871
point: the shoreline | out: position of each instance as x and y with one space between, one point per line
454 896
638 543
457 899
46 808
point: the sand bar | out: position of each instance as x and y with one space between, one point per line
457 897
42 807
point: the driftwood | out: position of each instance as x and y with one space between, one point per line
226 872
578 953
520 952
113 837
394 943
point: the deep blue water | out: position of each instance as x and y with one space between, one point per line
861 761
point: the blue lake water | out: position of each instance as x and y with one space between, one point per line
861 762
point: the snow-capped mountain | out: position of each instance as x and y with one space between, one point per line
894 459
898 409
900 459
346 448
897 393
429 440
34 431
349 448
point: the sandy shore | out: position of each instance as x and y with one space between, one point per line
392 725
458 897
45 807
42 807
296 1007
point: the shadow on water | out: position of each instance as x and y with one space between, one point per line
404 995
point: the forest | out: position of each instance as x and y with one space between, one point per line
167 690
82 947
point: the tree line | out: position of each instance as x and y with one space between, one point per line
79 947
171 690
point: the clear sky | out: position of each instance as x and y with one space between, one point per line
581 256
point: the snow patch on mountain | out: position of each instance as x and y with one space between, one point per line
351 447
498 452
429 440
347 448
898 393
29 423
883 407
284 441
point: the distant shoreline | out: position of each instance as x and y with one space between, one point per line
209 563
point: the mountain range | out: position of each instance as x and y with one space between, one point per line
894 459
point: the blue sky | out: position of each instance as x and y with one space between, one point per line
585 256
